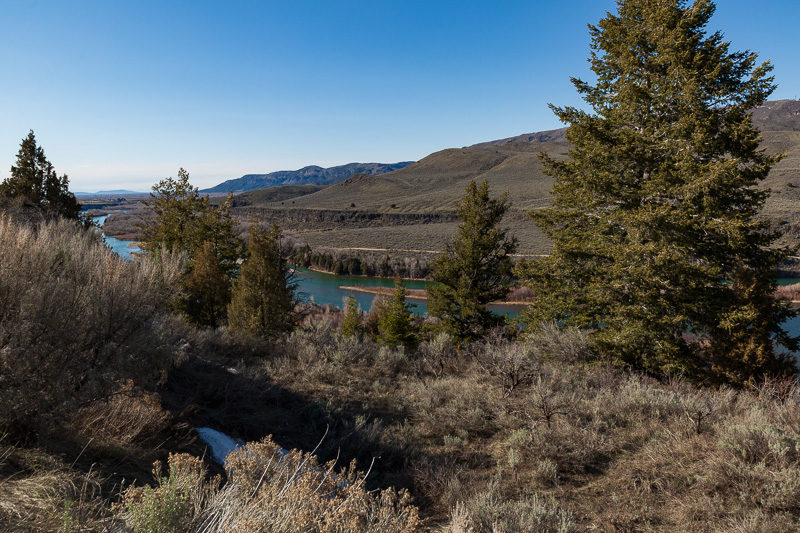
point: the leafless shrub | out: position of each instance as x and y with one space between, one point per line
272 491
129 416
788 292
548 397
436 355
512 362
779 389
700 408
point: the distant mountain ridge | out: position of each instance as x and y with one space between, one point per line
511 164
311 175
115 192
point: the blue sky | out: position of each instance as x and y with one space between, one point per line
121 94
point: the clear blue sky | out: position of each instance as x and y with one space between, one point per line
123 93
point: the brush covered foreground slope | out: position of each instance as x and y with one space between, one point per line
497 436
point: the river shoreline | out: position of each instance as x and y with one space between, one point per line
412 294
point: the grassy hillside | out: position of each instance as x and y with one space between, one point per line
434 183
280 193
437 181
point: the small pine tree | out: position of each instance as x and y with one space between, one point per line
206 290
475 269
34 182
263 297
351 324
395 320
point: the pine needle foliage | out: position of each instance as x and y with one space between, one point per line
182 220
206 290
34 182
475 269
654 221
395 319
351 323
263 297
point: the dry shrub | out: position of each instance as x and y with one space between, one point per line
788 292
760 460
436 356
438 480
512 362
489 512
74 317
269 490
129 416
174 503
559 343
759 522
453 405
39 493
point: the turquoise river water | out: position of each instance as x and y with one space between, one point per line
325 288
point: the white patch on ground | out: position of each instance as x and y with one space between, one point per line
219 443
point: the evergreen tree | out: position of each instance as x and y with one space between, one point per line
654 218
206 291
181 220
263 297
351 323
475 269
34 182
395 320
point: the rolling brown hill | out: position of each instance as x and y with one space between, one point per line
433 184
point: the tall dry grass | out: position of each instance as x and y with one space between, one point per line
75 318
268 490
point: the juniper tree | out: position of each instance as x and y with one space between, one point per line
181 220
263 297
351 323
206 290
34 182
395 325
475 269
657 244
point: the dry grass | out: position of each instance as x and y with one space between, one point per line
268 490
43 494
788 292
75 318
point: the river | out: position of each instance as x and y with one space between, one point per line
324 288
122 248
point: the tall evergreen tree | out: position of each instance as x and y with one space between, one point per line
181 220
654 218
34 182
475 269
263 297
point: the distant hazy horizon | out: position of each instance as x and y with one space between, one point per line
123 95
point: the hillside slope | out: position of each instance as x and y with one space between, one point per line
433 184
